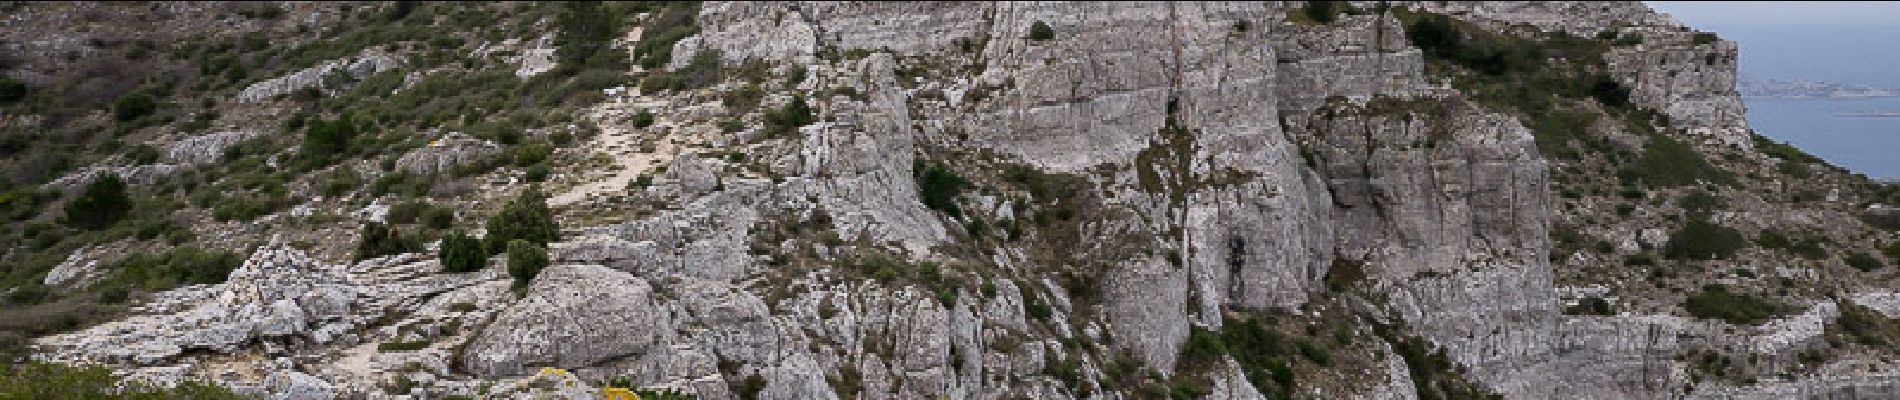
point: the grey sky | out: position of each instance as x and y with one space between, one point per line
1848 42
1783 13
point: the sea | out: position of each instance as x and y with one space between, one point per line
1862 144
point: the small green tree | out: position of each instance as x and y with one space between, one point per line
1704 240
525 218
1041 31
102 204
461 253
324 140
1323 12
37 380
439 218
1865 262
379 240
938 187
11 90
526 260
792 116
133 106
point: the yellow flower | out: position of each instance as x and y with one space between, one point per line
614 393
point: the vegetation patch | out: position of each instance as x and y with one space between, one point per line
938 187
1718 302
39 380
1704 240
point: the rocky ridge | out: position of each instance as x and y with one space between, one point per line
1148 176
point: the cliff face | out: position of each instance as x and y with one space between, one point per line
1188 199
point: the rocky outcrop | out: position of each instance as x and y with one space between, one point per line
330 76
574 316
446 153
1235 161
278 295
207 148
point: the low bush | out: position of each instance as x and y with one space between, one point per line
103 204
461 253
1591 306
938 187
1704 240
1865 262
526 260
379 240
1717 302
176 267
133 106
1667 162
1041 31
525 218
38 380
785 120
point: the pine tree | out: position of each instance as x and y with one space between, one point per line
461 253
102 204
525 218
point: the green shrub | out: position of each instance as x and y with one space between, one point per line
401 346
133 106
1314 352
103 204
1344 274
585 32
1700 202
795 114
37 380
1609 92
1717 302
461 253
1702 38
379 240
1591 306
323 141
141 154
1323 12
20 204
676 21
938 187
525 218
702 70
536 173
439 218
406 213
342 182
12 90
1886 220
1704 240
526 260
1806 247
1784 151
1041 31
743 99
1866 326
173 268
1865 262
1667 162
642 119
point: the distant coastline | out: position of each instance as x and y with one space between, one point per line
1797 89
1873 114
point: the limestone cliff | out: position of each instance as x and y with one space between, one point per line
1381 200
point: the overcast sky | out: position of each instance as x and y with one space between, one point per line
1841 41
1783 13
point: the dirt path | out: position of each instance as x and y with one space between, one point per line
623 144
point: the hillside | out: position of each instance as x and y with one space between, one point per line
871 200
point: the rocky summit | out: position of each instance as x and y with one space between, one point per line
911 200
